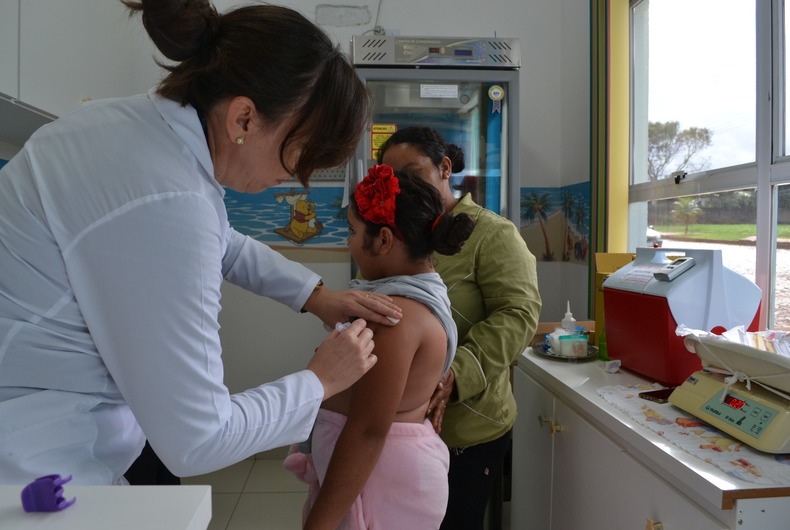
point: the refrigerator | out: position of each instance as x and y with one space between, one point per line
466 88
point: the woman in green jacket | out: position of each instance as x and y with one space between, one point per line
493 288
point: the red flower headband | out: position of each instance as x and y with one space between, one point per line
375 195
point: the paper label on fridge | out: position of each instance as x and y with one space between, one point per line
379 133
439 91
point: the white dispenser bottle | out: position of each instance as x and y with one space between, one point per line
569 323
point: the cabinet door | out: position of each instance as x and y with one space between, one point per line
643 495
78 50
9 49
586 475
532 454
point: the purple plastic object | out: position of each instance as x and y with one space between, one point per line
45 494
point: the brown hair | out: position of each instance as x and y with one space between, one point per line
273 55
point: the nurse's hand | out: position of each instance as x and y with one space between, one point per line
342 306
343 358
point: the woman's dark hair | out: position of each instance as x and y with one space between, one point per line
420 220
273 55
428 142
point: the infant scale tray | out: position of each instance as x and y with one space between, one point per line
771 369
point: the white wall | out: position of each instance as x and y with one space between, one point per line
263 340
561 282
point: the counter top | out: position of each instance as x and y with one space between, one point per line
116 507
577 384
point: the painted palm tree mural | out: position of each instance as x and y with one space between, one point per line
537 206
557 218
568 202
582 226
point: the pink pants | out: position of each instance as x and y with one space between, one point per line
407 488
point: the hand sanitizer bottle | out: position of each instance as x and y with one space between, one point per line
569 323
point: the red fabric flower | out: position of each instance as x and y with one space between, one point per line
375 195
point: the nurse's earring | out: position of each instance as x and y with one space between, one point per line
240 140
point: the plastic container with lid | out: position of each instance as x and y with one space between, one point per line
573 345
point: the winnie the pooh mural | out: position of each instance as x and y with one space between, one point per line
303 223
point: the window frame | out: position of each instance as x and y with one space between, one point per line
772 165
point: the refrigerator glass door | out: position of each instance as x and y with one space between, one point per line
472 114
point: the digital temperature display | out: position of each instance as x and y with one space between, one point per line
734 402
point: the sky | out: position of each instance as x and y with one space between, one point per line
702 72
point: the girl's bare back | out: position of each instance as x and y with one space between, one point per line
411 356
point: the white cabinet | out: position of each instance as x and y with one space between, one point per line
78 50
564 471
643 495
532 455
571 473
585 474
9 50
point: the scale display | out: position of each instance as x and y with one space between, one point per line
756 416
734 402
751 418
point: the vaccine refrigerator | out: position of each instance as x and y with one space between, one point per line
466 88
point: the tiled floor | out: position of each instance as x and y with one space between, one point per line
259 494
255 494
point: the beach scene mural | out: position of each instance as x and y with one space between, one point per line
291 216
555 222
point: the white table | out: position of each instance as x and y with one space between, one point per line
116 507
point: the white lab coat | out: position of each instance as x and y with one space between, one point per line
114 241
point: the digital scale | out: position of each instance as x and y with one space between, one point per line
757 416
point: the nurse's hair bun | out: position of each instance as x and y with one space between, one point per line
286 65
180 29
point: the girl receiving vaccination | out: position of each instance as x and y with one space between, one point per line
376 461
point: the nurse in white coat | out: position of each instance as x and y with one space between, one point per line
114 242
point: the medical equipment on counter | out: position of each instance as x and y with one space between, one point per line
643 312
667 273
742 391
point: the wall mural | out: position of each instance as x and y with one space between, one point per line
555 222
291 216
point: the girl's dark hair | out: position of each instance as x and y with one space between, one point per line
417 207
428 142
273 55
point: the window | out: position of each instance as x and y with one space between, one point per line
703 173
782 263
694 85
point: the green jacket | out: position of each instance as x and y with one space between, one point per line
493 288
